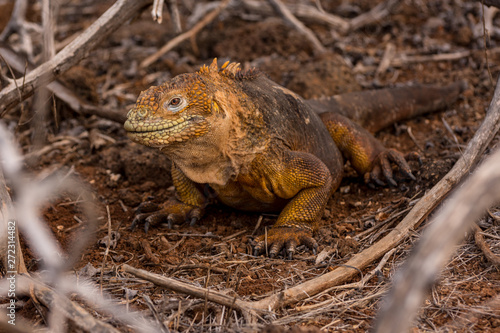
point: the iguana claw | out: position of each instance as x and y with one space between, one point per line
286 239
382 167
171 212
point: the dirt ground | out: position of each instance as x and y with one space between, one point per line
215 253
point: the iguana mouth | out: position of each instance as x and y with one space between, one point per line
163 132
172 126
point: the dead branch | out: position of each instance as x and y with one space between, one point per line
62 92
16 19
281 9
184 36
355 285
175 16
157 11
375 14
6 210
478 193
72 311
203 293
112 19
49 12
17 24
302 11
495 3
403 59
390 51
491 306
481 243
342 25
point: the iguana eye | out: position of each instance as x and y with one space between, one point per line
175 104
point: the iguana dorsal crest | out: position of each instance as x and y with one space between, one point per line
229 69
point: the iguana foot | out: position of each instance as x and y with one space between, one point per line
286 239
172 211
381 167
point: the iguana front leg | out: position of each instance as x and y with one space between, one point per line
306 181
188 207
366 154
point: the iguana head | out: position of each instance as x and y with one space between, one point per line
184 107
176 111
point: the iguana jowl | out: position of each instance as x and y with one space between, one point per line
261 147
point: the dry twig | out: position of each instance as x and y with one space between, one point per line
6 211
157 11
203 293
70 310
17 24
188 34
302 11
288 16
481 243
174 15
375 14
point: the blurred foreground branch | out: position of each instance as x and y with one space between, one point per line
6 211
52 285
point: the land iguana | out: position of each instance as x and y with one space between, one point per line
260 147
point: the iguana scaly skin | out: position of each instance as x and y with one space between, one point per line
260 147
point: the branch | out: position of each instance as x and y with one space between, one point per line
494 3
186 35
70 310
375 14
302 11
447 228
188 289
483 246
111 20
288 16
6 209
62 92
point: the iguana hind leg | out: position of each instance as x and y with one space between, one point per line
366 154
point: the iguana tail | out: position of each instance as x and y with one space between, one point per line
377 109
